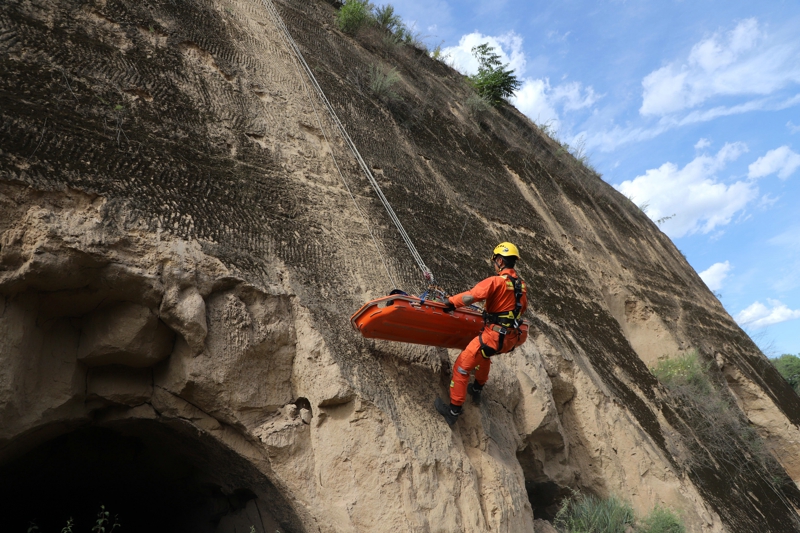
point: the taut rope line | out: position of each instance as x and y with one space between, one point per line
426 272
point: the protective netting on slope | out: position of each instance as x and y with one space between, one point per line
295 49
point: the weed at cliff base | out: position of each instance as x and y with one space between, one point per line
661 520
589 514
102 523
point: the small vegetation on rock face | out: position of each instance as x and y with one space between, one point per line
789 367
661 520
357 14
354 15
382 80
715 418
494 80
477 104
387 19
684 372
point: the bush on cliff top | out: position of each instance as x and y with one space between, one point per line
494 81
354 15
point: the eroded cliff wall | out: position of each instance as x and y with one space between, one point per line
184 235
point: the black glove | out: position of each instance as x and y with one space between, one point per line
449 307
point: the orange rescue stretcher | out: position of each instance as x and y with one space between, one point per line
405 318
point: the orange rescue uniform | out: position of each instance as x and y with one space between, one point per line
498 292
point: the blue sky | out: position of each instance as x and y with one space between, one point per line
691 108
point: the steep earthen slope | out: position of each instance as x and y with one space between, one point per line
180 253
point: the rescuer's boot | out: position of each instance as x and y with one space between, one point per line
474 390
449 412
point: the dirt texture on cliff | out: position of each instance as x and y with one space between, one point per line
184 235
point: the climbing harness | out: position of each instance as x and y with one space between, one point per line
504 321
426 272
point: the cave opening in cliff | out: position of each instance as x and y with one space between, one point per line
544 494
152 476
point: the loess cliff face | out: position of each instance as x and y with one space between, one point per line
180 254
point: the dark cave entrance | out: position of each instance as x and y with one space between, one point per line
544 494
153 476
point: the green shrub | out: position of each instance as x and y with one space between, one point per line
684 372
437 54
789 367
354 15
494 81
386 18
661 520
477 104
588 514
382 80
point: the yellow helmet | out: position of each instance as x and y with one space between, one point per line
506 249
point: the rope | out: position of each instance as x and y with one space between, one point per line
284 33
426 272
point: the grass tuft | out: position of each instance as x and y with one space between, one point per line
589 514
477 104
382 80
684 372
661 520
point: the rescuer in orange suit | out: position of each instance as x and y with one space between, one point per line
506 300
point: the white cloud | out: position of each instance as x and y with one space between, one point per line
743 61
759 315
693 194
610 140
714 275
768 201
533 99
702 143
573 96
536 98
781 160
508 46
793 128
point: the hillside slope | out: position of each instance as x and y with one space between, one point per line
184 235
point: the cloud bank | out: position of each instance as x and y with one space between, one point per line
742 62
782 161
759 315
692 196
714 275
